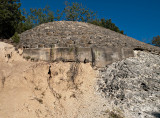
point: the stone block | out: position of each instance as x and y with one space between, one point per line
40 54
64 54
84 54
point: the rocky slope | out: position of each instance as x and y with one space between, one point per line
126 89
79 34
133 85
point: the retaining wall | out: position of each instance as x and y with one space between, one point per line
99 57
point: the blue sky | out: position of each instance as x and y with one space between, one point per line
139 19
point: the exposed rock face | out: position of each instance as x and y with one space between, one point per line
133 85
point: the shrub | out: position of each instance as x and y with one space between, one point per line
15 38
28 57
156 41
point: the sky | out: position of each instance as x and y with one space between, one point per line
139 19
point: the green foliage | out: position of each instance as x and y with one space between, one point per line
15 38
77 12
156 41
27 58
10 17
36 17
58 15
107 23
74 12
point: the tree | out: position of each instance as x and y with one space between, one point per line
58 15
10 17
107 23
156 41
15 38
37 16
77 12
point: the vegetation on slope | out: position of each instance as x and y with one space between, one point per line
13 19
156 41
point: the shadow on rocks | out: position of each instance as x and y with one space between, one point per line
156 114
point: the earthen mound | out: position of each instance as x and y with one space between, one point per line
80 34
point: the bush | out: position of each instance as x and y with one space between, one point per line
15 38
156 41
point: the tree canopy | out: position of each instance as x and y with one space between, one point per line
77 12
72 12
35 17
107 23
10 17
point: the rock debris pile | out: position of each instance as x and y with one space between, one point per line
133 85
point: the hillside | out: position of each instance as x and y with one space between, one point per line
122 87
129 88
79 34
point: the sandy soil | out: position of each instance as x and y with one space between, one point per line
28 91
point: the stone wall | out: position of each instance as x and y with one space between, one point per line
37 53
79 41
79 34
99 57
